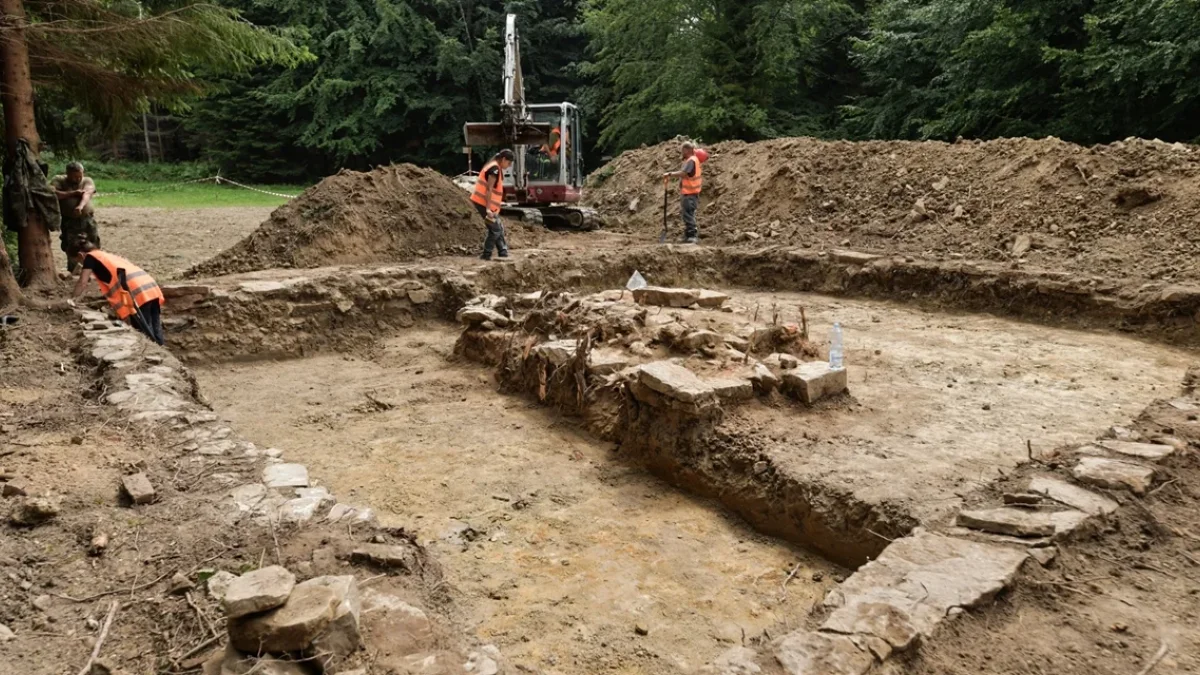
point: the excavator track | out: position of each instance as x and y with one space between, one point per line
576 218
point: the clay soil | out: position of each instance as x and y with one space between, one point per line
1123 211
393 213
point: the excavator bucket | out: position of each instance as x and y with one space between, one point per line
499 135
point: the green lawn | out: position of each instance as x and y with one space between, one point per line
165 194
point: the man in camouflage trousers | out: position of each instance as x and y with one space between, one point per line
75 193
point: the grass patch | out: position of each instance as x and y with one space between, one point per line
167 195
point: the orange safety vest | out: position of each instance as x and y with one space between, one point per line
552 150
691 185
480 196
141 285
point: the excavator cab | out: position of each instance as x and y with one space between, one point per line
553 166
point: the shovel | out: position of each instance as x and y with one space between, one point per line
662 238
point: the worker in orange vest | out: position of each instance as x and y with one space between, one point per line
132 293
552 149
691 174
487 197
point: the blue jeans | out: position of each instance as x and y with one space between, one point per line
495 235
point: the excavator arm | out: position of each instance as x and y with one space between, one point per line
516 126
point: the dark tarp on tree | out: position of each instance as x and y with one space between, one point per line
25 188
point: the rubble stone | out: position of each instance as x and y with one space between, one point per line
732 389
809 653
6 634
341 637
780 361
557 352
285 475
1044 554
703 339
1015 522
420 296
711 299
1114 474
1151 451
735 661
346 512
675 382
385 555
666 297
138 487
291 628
1072 495
812 381
31 511
475 316
15 488
606 361
763 379
258 591
218 584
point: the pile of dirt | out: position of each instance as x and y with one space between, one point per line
1127 209
393 213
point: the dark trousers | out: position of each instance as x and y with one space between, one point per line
495 234
152 328
687 206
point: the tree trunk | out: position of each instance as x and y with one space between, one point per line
10 292
146 134
16 95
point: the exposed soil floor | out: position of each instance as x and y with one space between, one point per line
558 551
167 241
948 401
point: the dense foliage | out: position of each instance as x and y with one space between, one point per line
394 80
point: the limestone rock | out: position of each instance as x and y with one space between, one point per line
6 634
346 512
1074 496
763 379
290 628
1151 451
732 389
475 316
285 475
606 361
711 299
1114 474
852 257
812 381
1015 522
920 578
258 591
420 296
809 653
703 339
675 382
556 353
1044 554
218 584
385 555
666 297
780 361
30 511
341 637
138 487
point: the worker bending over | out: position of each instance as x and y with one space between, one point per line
133 294
487 197
692 177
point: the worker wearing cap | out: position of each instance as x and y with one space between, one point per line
691 174
132 293
487 197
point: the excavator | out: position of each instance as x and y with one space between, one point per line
544 184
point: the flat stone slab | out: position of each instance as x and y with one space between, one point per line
285 475
385 555
1010 521
292 628
1152 451
811 653
675 382
711 299
1114 474
732 389
814 380
910 589
703 339
258 591
473 316
557 352
607 361
666 297
1074 496
138 487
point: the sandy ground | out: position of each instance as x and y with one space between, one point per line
567 551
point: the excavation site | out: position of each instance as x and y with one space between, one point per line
905 404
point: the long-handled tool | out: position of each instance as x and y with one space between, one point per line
136 310
662 238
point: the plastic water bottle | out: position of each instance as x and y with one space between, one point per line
836 350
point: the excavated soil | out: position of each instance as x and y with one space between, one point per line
393 213
1127 209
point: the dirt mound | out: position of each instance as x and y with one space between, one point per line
1127 209
393 213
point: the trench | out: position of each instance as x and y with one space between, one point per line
563 551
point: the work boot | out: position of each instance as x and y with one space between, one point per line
503 254
691 240
485 256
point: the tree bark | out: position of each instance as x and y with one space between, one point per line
10 292
16 95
